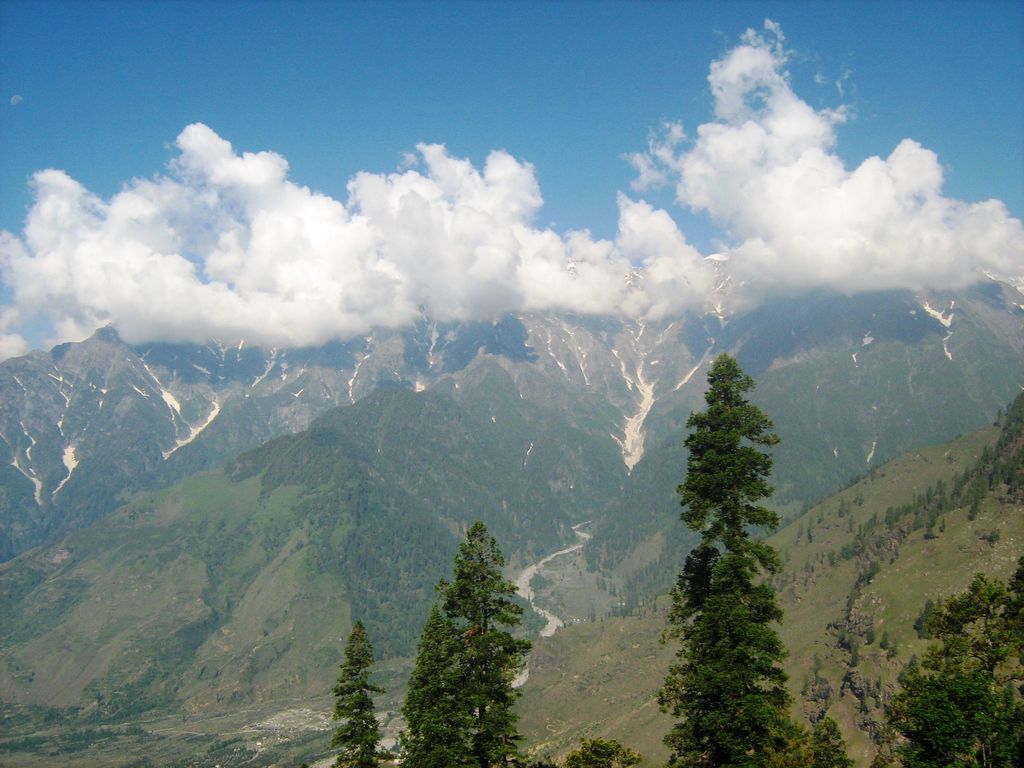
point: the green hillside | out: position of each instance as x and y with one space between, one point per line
858 570
849 382
236 588
861 567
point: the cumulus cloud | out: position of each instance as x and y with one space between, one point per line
766 170
11 344
652 166
224 245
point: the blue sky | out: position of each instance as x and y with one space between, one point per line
569 86
102 90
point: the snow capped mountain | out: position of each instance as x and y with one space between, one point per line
86 423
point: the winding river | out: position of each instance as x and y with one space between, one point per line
524 589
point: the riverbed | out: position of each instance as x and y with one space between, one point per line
523 588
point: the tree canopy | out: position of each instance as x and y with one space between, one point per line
460 710
601 753
437 721
727 683
727 470
961 705
359 732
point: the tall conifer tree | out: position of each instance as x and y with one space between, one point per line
437 722
727 682
359 732
479 601
459 708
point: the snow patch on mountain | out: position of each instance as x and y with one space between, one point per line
59 383
355 372
28 472
686 379
553 356
633 430
171 400
632 441
581 355
195 431
432 358
32 441
529 450
70 462
69 459
946 318
622 367
942 317
266 371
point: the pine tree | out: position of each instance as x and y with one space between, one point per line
796 747
601 753
960 705
437 724
828 746
727 682
359 733
478 601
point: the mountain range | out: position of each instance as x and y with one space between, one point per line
193 528
86 424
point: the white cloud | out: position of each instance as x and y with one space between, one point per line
224 245
674 275
767 172
11 344
653 166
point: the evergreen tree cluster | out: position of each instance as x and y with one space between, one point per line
962 704
601 753
459 706
459 710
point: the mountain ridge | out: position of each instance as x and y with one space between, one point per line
66 417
